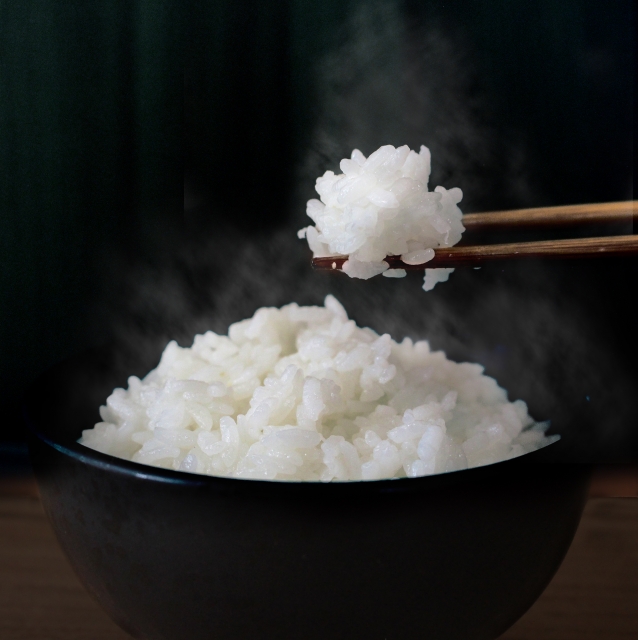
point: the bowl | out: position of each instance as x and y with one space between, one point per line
172 555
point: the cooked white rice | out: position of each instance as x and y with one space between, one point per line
302 393
381 206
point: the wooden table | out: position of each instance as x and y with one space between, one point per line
594 595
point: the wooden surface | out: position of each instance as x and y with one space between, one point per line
594 595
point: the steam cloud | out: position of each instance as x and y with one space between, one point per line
393 82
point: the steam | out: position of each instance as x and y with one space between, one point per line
389 81
392 81
536 344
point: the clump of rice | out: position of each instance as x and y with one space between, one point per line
380 206
302 393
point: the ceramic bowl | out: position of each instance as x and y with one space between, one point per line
172 555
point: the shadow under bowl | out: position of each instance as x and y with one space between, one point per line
171 555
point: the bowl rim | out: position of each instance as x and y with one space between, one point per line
142 472
120 466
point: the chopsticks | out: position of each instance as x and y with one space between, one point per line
573 214
475 255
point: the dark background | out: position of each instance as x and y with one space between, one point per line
155 160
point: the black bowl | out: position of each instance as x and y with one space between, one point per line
171 555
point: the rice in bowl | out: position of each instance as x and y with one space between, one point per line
304 394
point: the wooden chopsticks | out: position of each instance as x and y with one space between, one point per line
475 255
573 214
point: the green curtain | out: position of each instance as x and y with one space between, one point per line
90 143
